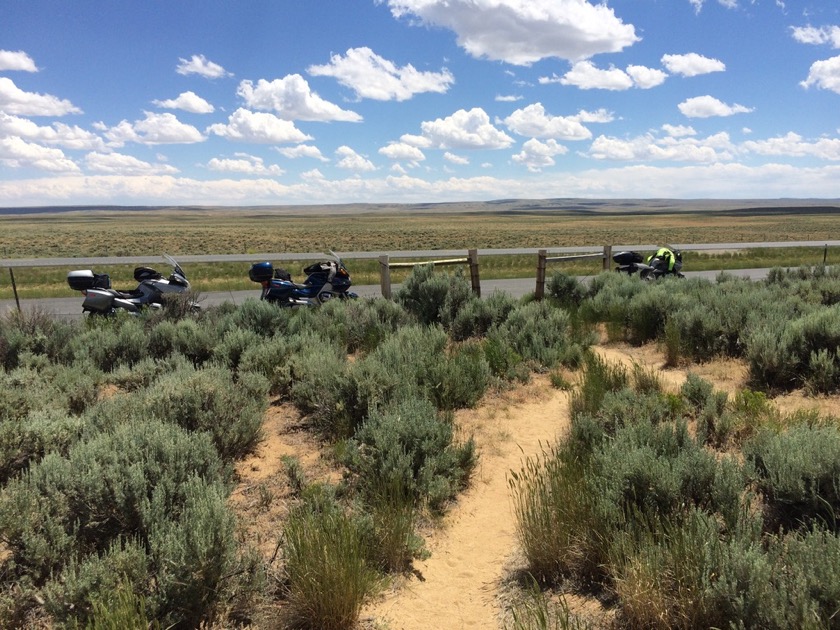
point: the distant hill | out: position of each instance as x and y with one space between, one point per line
500 206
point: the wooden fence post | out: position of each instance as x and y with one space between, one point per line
539 292
385 276
607 257
474 279
14 288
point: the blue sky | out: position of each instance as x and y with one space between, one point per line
251 102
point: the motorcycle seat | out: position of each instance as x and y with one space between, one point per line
127 295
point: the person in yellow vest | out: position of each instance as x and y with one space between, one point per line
666 260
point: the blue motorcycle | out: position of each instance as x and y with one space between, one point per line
325 280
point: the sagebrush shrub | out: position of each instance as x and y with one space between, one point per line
211 400
798 471
409 442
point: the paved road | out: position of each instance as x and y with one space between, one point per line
517 287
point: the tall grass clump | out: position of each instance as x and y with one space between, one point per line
328 576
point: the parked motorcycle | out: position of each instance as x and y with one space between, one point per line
325 280
657 265
152 289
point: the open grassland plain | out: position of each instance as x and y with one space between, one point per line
92 232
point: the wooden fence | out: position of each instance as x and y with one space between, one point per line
385 266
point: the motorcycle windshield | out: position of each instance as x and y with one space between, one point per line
175 266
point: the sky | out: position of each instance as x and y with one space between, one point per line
287 102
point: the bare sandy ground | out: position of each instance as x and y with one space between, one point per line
474 552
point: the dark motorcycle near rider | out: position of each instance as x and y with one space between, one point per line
152 289
325 280
667 261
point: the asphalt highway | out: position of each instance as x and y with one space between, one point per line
71 307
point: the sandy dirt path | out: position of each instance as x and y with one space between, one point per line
459 582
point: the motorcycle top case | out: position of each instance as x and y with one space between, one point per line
85 279
261 272
626 258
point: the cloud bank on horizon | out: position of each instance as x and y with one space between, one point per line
205 102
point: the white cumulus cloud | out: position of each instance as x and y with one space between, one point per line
374 77
522 32
187 101
259 127
245 164
534 122
17 60
291 98
824 74
536 155
708 106
817 36
302 151
465 130
713 149
793 145
691 64
455 159
200 65
350 160
646 78
402 152
586 76
16 152
121 164
153 129
13 100
57 134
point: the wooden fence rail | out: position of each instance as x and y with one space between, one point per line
543 259
385 266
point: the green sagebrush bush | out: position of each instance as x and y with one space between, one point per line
355 325
411 443
434 297
798 471
33 332
111 342
414 361
144 495
541 333
211 400
328 573
567 290
476 317
189 337
790 352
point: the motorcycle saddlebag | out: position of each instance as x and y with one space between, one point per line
626 258
261 272
85 279
145 273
